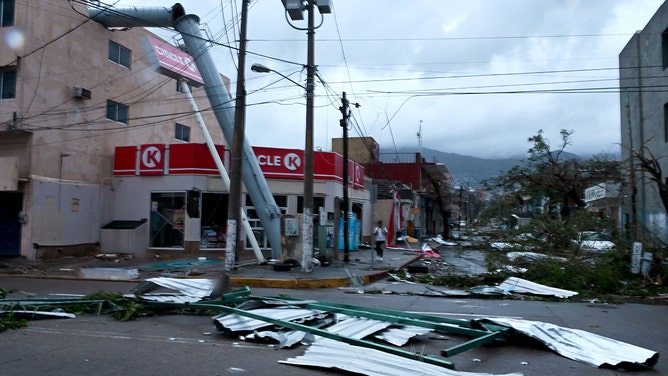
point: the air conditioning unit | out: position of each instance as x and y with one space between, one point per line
81 93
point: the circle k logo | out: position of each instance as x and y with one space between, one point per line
151 157
292 161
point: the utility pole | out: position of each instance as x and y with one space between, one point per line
295 9
345 112
233 238
632 174
307 227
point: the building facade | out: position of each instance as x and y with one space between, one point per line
77 98
644 124
423 189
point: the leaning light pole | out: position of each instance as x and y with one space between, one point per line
197 44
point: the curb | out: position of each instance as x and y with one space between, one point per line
240 281
297 283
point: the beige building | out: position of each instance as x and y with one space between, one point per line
71 92
83 114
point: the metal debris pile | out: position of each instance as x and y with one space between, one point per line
372 341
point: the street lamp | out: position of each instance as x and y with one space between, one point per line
259 68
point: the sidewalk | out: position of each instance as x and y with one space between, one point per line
360 270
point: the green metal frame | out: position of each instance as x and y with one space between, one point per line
488 334
481 335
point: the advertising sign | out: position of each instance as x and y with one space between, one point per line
171 61
280 163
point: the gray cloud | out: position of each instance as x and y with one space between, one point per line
383 52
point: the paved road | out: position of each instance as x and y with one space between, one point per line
185 344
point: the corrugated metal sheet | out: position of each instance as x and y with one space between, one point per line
196 287
33 315
580 345
325 353
357 327
283 338
347 326
189 290
401 335
522 286
170 298
236 323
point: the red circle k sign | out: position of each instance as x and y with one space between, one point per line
152 160
278 162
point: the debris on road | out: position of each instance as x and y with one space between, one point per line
177 290
582 346
522 286
110 273
510 286
359 339
325 353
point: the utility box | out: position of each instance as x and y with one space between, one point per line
291 237
125 236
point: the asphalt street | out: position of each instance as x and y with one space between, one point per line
189 344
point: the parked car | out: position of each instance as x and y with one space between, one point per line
594 241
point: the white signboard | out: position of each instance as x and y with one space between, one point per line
595 193
636 257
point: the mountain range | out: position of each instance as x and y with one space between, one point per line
470 170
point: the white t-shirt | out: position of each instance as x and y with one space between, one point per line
380 233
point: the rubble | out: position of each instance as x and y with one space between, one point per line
360 339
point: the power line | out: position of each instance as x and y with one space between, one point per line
427 39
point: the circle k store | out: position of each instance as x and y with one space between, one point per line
172 197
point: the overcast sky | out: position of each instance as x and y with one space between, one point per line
471 74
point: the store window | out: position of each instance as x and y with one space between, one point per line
317 202
254 220
214 219
168 215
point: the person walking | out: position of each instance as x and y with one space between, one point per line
380 232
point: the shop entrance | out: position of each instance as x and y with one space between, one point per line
214 220
10 223
168 214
